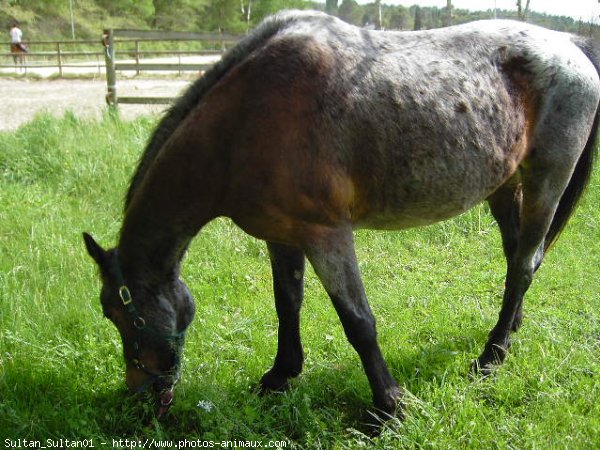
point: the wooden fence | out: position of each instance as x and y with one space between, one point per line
61 55
208 44
133 46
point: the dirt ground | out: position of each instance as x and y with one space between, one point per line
22 99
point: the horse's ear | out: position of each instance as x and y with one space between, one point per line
95 251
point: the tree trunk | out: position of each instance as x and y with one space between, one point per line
418 21
331 6
448 13
246 13
522 13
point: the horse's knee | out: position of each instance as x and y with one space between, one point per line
361 333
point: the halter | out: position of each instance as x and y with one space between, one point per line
174 341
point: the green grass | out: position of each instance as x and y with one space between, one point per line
435 292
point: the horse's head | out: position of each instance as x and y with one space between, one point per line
151 317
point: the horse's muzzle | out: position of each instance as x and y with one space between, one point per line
165 400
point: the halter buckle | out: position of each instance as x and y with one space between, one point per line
139 322
125 295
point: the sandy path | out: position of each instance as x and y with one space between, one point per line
22 99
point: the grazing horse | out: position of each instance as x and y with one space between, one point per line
18 52
310 128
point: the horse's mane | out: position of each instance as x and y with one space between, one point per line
184 105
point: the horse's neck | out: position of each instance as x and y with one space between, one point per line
157 229
152 248
178 194
163 216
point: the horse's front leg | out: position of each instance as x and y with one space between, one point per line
287 265
333 257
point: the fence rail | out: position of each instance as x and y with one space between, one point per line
113 38
57 56
85 56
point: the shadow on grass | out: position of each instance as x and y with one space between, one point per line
326 401
330 396
37 404
451 354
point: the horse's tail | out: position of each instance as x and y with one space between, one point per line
583 169
184 105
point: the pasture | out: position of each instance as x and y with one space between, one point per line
435 293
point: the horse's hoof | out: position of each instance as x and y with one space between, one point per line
385 415
491 358
273 382
482 369
390 404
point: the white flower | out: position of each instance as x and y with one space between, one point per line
206 405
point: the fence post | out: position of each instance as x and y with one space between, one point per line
137 56
59 57
108 41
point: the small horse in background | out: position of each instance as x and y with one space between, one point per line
310 128
18 52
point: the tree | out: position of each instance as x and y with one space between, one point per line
139 8
264 8
522 13
331 6
246 12
172 14
418 19
448 13
223 15
350 11
399 18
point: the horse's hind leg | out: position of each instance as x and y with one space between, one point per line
546 174
536 216
334 261
287 265
505 205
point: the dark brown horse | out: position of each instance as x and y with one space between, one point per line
18 52
310 128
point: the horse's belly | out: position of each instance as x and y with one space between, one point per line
436 166
407 217
414 192
411 213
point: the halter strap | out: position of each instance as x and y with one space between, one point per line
176 340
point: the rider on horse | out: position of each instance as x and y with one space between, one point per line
16 46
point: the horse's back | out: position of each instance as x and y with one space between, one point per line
385 130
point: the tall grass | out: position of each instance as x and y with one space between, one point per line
435 292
